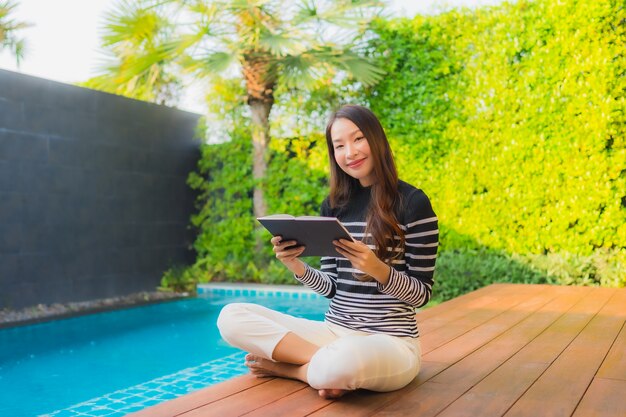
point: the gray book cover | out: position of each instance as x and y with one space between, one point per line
315 232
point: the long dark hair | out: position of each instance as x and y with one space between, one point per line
382 223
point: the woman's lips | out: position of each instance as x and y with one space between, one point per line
356 164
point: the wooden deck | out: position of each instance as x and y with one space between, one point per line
504 350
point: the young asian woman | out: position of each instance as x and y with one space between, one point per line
369 338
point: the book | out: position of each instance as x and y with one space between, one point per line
315 232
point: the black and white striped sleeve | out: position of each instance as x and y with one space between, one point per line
324 281
320 282
414 283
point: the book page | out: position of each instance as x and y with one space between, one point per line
277 217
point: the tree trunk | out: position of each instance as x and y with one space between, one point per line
260 89
260 139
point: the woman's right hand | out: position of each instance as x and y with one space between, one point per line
288 255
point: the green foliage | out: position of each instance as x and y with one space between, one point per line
603 268
224 219
512 119
461 271
226 240
135 33
153 45
227 229
9 29
180 278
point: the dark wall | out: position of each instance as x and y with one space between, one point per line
93 194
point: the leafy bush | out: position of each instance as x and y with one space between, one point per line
603 268
512 119
463 270
181 279
224 245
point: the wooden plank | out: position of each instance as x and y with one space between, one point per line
472 319
201 397
248 400
466 374
299 403
489 293
614 366
424 401
507 332
451 312
497 350
604 398
476 336
495 394
559 390
362 403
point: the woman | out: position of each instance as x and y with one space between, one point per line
369 338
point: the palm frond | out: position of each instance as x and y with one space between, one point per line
132 23
252 18
6 7
239 5
8 31
299 71
281 41
19 50
361 68
7 24
347 14
306 10
280 44
203 8
355 65
213 63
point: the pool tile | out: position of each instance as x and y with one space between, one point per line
138 397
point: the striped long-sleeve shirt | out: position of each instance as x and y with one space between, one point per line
370 306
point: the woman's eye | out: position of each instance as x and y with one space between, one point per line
359 138
338 147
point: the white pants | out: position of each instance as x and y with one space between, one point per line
347 359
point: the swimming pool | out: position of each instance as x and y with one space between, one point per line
121 361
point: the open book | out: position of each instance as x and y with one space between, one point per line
315 232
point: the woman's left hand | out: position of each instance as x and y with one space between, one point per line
363 259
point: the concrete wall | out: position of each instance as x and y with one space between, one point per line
93 194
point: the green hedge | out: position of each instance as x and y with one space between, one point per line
511 118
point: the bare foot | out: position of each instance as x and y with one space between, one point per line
330 394
261 367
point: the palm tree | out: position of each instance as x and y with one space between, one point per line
8 29
267 42
133 31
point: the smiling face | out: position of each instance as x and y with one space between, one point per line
352 151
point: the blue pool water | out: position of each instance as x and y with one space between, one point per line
121 361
